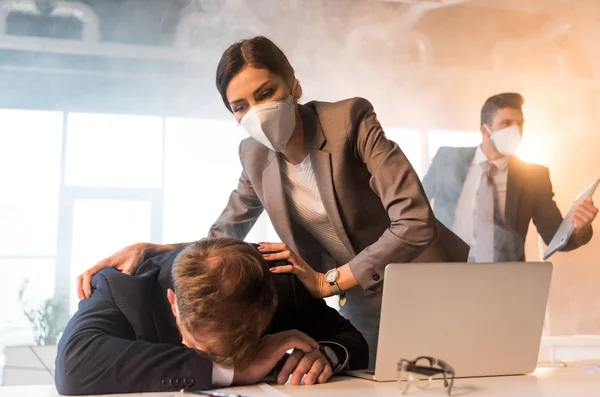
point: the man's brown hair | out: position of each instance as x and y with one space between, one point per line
511 100
225 293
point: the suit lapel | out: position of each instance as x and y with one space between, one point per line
164 320
322 167
321 162
132 301
276 201
514 186
456 184
465 164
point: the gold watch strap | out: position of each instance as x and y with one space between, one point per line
335 288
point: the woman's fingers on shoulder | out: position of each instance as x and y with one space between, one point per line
87 284
120 260
271 247
277 256
80 293
128 269
282 269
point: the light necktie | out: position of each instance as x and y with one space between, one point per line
484 215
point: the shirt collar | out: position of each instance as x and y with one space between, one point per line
480 157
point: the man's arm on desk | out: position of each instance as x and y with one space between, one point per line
342 346
328 327
98 353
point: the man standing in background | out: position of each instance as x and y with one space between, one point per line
488 196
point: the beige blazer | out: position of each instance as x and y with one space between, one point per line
370 192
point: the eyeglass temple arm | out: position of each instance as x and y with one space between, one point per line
436 361
446 368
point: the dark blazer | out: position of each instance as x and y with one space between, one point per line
124 338
370 192
529 196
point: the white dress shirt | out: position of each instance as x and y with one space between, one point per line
464 215
221 376
306 208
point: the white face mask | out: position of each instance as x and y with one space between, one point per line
506 140
272 123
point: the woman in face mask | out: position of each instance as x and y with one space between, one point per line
344 200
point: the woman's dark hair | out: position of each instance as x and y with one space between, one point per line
258 52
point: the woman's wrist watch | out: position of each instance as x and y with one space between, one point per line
331 277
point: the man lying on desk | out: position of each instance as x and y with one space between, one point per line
209 316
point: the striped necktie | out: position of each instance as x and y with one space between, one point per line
484 215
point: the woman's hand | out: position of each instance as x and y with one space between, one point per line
126 260
313 281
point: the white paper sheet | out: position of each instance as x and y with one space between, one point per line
259 390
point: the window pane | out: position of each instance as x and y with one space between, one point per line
438 139
15 329
100 228
30 155
534 147
202 168
113 150
263 231
410 142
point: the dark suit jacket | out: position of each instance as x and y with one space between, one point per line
124 338
529 196
370 192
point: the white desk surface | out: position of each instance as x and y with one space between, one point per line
578 379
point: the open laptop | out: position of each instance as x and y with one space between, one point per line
484 319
